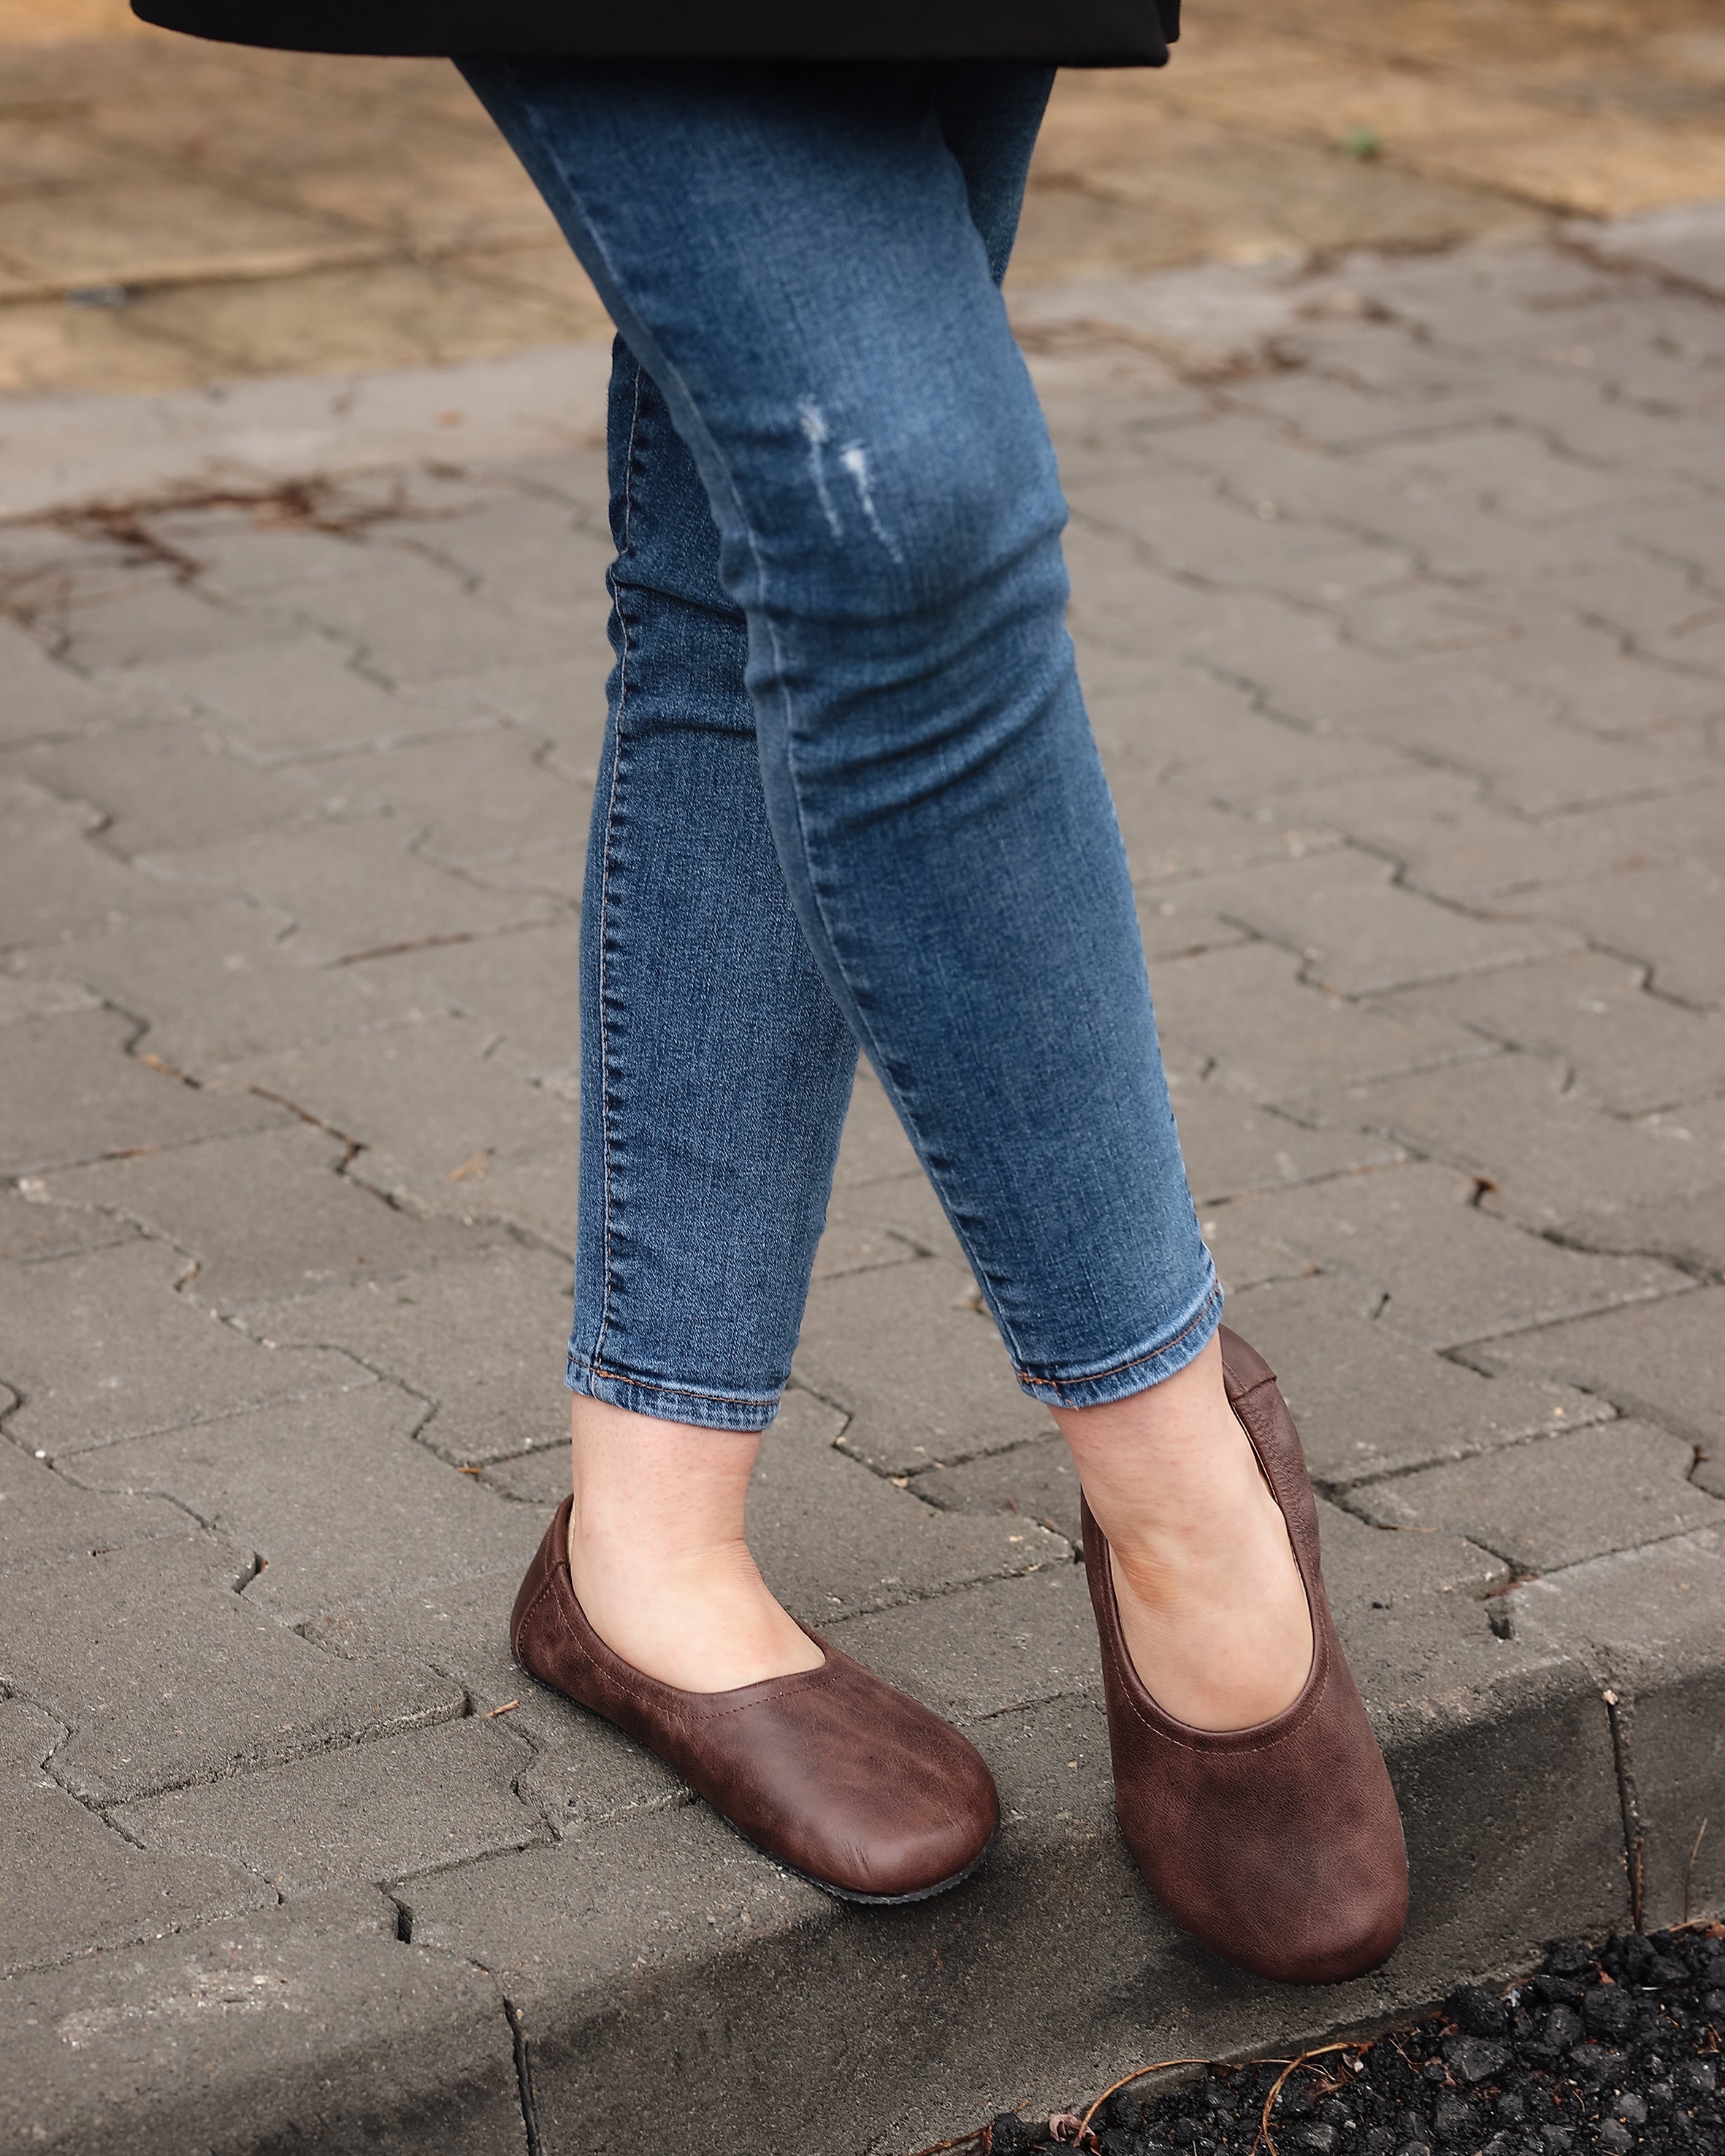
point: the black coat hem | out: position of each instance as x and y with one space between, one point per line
1068 33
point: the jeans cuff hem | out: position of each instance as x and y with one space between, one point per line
1139 1369
648 1396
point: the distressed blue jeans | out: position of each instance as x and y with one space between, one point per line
849 796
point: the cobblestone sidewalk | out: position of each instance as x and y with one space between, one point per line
1401 597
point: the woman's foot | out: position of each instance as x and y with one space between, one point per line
1211 1604
657 1559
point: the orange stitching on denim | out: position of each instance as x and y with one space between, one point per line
605 880
1029 1377
681 1392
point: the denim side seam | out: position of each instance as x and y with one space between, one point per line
1138 1372
604 881
668 1402
667 374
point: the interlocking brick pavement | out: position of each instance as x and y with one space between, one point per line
1399 589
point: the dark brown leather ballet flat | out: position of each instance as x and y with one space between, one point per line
830 1772
1279 1847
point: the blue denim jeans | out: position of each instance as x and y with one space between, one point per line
849 795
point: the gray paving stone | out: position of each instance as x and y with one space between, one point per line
53 880
1195 529
1371 1566
238 557
351 887
531 553
1171 831
995 1649
946 1393
533 1190
1419 615
1465 715
1359 933
165 784
1687 243
1656 1359
480 1341
1034 1480
1448 840
1173 927
1184 724
22 996
216 984
1485 854
77 1089
561 700
847 1247
72 1882
44 699
582 1769
1630 1051
1551 1159
1515 474
303 1225
440 1122
368 1813
1371 1402
1625 697
1630 593
1649 1623
409 619
100 1347
1231 1147
1689 1231
1270 1035
266 1481
1428 1262
31 1229
160 619
301 696
1259 463
469 796
886 1222
43 1515
312 2023
831 1538
1124 605
165 1674
1669 915
1555 1501
524 988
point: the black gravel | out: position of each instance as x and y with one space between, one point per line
1610 2049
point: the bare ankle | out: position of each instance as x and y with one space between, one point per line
657 1555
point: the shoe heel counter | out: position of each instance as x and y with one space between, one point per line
552 1552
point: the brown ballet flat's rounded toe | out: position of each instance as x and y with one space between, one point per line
830 1771
1279 1847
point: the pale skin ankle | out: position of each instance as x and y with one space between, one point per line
657 1557
1211 1603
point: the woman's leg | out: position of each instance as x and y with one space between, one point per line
716 1069
795 255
